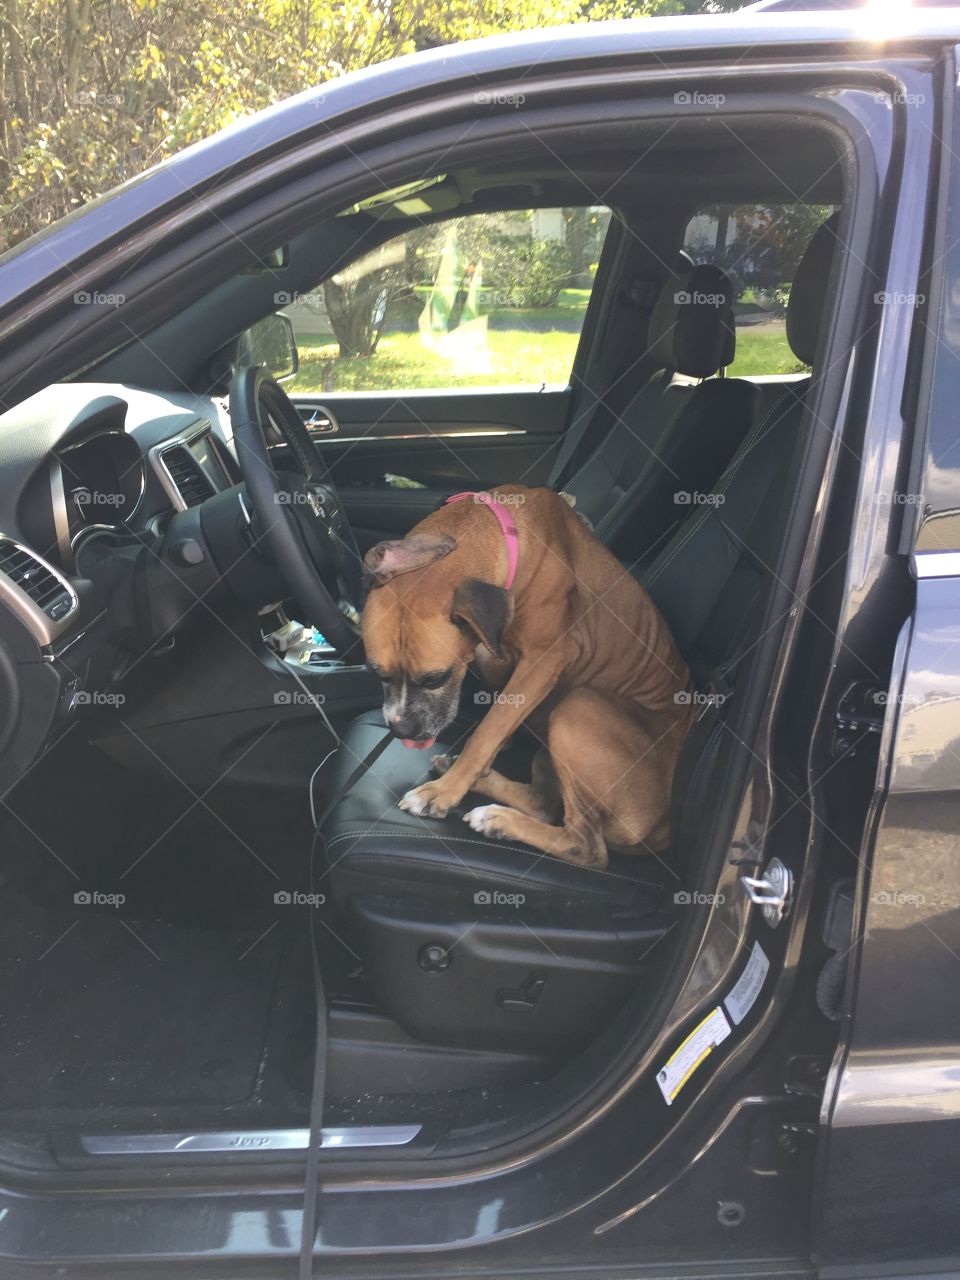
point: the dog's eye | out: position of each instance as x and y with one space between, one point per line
434 679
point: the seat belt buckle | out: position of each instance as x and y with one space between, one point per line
717 689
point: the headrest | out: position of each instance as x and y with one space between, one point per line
691 328
808 293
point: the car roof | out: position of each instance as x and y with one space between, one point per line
874 31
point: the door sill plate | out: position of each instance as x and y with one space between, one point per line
143 1144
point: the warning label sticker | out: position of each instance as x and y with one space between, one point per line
747 987
697 1047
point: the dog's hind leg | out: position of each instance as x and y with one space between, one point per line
614 780
540 798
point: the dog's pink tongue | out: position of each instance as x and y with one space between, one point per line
423 745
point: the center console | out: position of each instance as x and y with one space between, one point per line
257 699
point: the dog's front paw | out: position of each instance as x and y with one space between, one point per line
490 820
429 800
440 764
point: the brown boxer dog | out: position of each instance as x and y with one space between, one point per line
513 582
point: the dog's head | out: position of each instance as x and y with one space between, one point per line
424 620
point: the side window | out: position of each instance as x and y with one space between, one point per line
487 300
759 247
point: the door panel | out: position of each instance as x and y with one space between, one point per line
394 459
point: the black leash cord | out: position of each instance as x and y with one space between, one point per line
311 1188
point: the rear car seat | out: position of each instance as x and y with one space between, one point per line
672 440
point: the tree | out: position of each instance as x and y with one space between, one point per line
94 91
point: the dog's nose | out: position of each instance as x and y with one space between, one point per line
403 727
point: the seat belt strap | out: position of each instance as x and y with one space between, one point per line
586 420
311 1187
623 506
572 438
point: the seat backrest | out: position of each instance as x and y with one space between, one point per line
712 581
672 438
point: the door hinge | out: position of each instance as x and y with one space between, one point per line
772 891
859 719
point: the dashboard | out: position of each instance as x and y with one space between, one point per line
127 554
93 478
80 461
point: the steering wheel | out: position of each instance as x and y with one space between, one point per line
297 513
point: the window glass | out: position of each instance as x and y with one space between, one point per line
940 491
759 247
493 299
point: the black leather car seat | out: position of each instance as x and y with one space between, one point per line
672 438
455 955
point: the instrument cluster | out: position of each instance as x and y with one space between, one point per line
98 483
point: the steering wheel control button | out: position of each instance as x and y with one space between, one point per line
187 552
433 958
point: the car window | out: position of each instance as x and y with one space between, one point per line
487 300
759 247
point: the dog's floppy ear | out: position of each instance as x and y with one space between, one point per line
387 559
485 609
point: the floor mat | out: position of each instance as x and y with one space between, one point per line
78 821
106 1010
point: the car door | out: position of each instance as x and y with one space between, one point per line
890 1181
443 359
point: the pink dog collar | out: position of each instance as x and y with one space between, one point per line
507 526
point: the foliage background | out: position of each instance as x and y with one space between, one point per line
94 91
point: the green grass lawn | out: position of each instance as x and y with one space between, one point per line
763 349
517 357
402 363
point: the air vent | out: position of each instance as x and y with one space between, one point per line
45 589
188 480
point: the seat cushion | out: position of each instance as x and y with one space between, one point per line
373 846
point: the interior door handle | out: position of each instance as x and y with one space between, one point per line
322 425
321 421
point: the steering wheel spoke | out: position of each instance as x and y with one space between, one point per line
296 510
